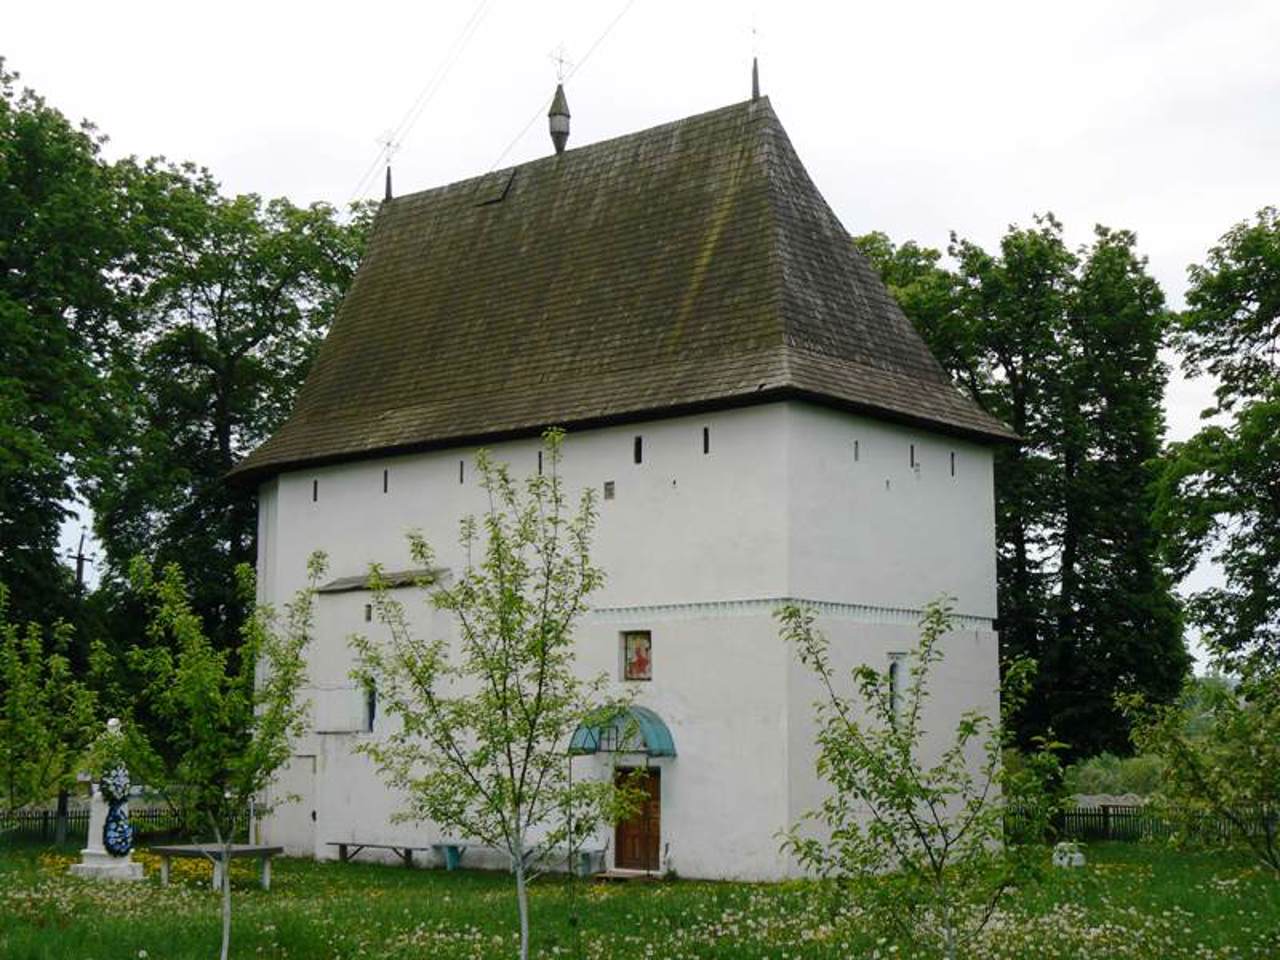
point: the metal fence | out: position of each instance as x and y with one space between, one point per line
42 824
1135 822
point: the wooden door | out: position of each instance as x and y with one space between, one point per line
636 841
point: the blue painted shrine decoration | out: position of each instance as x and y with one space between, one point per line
117 833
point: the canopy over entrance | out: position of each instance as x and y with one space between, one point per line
632 730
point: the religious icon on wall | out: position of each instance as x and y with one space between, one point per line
637 656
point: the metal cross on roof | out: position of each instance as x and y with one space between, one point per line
389 143
559 56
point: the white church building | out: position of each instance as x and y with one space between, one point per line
760 419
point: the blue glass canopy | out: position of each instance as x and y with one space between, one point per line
630 730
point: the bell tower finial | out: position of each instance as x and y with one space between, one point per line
755 78
387 195
558 116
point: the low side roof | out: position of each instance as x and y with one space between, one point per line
690 265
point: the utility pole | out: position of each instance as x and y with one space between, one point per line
60 818
81 558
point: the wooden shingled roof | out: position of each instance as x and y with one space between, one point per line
685 267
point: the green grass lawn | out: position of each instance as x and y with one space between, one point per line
1132 901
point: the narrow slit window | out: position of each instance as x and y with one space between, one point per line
637 451
315 490
368 613
856 451
385 480
953 463
913 455
539 463
462 471
706 440
370 705
895 687
608 490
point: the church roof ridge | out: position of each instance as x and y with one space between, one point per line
614 141
687 266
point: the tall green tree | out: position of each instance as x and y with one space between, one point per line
65 258
238 296
1219 497
1063 346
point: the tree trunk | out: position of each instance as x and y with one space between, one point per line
225 846
949 946
522 899
60 823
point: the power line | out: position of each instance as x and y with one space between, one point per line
578 66
392 140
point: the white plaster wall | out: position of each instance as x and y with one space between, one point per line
716 684
876 531
698 548
268 533
705 525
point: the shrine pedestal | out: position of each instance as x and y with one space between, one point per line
95 863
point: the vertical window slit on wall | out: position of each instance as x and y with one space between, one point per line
608 490
315 490
368 613
953 463
856 452
895 687
913 455
461 471
385 479
370 706
706 439
637 452
539 463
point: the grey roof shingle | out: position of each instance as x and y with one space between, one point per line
691 265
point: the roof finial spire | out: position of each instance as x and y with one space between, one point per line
559 112
559 119
389 148
755 78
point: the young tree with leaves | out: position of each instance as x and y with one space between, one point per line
922 835
230 716
484 721
46 714
1221 752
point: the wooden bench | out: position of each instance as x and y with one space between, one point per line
196 851
589 859
348 849
450 853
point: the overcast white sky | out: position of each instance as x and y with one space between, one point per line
913 118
